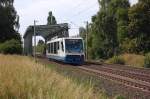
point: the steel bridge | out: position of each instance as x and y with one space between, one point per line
46 31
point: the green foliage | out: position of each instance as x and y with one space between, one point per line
118 28
41 42
129 46
108 28
9 21
147 61
122 24
117 60
40 48
119 97
51 20
139 25
11 47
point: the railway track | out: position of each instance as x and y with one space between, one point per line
130 79
138 79
127 73
122 67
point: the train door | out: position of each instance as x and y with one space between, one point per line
60 48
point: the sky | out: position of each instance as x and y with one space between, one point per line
74 12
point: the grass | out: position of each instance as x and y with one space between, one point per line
116 60
131 60
100 86
134 60
22 78
147 61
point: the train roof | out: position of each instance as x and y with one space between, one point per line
57 39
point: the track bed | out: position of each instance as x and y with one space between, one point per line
132 80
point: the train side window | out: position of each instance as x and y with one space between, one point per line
62 46
52 48
55 48
57 45
49 48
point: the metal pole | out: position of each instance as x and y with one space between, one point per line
87 40
34 41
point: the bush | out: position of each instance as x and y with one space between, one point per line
119 97
147 61
117 60
134 60
11 47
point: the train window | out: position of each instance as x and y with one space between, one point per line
74 45
52 48
55 47
62 46
48 48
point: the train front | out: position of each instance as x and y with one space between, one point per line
74 50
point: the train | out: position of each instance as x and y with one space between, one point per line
68 50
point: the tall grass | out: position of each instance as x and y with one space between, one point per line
147 61
128 59
134 60
22 78
116 60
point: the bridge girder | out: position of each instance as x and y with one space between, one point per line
46 31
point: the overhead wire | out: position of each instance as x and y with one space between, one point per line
79 4
79 13
84 10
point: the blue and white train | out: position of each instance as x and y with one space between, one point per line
68 50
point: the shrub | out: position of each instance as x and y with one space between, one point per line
147 61
11 47
119 97
134 60
117 60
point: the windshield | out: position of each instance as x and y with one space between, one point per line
74 45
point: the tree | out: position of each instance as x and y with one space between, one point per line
118 9
9 21
139 26
11 47
41 47
109 28
103 36
51 20
41 42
